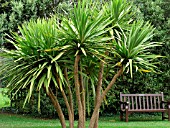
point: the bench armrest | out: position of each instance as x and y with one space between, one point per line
124 103
165 102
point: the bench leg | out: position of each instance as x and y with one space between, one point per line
121 115
163 115
169 112
127 115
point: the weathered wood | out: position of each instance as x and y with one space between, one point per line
124 99
126 95
151 102
139 102
159 102
129 102
132 102
155 106
147 100
143 103
136 102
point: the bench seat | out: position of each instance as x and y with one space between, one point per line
145 110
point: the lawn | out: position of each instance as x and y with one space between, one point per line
20 121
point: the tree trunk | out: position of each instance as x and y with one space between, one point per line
83 97
57 107
97 106
70 95
81 123
71 119
98 90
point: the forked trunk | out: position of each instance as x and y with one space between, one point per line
57 107
81 123
97 106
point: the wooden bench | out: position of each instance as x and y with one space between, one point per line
130 103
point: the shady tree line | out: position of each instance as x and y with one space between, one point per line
75 54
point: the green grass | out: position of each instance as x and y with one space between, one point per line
19 121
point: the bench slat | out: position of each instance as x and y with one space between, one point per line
143 102
139 102
159 102
132 102
151 102
136 102
162 96
124 99
129 102
155 106
147 102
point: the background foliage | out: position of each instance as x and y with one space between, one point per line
15 12
4 99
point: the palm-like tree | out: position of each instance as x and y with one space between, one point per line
132 51
133 48
31 66
85 37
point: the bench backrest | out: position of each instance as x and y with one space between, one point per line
143 101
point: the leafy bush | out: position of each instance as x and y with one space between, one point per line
4 99
16 12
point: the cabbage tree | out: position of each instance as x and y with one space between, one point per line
29 66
